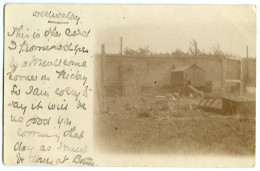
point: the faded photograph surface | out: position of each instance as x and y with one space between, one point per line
176 80
129 85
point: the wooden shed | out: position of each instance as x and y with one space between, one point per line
238 105
189 75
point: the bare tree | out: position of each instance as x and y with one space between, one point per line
217 51
194 50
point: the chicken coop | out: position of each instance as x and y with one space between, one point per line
189 75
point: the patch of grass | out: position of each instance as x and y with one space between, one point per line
143 134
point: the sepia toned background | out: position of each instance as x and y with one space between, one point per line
176 81
140 119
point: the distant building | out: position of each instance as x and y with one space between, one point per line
189 75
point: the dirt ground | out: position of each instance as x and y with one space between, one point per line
184 131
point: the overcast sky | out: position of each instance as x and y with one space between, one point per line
166 28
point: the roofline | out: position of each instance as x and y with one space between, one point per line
198 67
189 67
160 56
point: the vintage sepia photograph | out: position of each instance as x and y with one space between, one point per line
109 85
176 80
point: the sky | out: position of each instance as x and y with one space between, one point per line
164 28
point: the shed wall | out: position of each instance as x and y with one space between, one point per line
195 76
178 78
